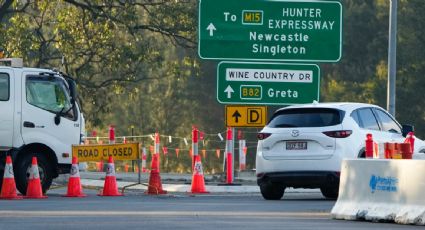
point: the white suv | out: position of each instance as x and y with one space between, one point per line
303 146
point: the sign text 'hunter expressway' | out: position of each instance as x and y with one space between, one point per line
274 30
267 83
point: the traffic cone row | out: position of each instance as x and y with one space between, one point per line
391 150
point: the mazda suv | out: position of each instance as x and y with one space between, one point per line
303 146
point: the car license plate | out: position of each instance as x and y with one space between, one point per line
296 145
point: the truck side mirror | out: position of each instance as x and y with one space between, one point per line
407 129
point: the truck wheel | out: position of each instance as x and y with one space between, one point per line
22 172
272 191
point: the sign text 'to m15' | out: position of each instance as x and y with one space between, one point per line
267 83
274 30
102 152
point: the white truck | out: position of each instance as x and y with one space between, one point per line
39 116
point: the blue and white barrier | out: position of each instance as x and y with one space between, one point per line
382 190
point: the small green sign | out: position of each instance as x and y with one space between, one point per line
267 83
273 30
251 92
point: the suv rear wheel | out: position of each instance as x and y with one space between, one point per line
330 192
272 191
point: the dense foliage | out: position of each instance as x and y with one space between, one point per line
137 67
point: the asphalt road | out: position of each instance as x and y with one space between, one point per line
307 210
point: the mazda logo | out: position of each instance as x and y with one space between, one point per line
295 133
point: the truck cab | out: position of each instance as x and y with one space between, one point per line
39 116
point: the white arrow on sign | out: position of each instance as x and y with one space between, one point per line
229 91
211 28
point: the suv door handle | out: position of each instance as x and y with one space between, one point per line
28 124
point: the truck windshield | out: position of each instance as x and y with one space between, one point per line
49 93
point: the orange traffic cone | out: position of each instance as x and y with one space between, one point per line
110 188
198 183
8 189
74 185
34 190
155 185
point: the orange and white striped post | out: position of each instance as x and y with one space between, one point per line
229 148
242 159
242 155
194 145
156 150
411 140
144 157
369 146
111 134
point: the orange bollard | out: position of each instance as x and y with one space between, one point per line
411 140
111 134
390 150
369 147
405 150
229 162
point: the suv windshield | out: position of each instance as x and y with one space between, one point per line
306 117
49 93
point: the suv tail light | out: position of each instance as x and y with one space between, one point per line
262 136
338 133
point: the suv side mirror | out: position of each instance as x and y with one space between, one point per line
407 129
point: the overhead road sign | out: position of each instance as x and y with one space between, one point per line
246 116
267 83
102 152
270 30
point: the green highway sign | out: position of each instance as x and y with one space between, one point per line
267 83
273 30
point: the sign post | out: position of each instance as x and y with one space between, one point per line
270 30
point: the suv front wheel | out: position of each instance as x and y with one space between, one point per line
272 191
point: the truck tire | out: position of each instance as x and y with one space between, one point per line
272 191
22 172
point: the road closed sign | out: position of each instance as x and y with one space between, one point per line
246 116
102 152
